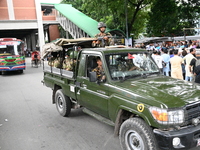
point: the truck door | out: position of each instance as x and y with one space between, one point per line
91 95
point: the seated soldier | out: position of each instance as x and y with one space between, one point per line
70 60
99 70
131 66
126 65
54 61
52 58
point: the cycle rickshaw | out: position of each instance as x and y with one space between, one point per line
35 59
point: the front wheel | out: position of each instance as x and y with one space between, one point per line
63 103
135 134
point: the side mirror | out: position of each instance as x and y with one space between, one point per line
92 76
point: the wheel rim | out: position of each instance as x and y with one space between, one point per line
133 140
60 102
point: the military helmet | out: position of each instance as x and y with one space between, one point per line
101 24
73 54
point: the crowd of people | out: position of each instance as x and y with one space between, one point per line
178 60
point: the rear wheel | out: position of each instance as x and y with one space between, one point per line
135 134
36 63
63 103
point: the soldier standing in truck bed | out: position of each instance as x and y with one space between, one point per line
104 39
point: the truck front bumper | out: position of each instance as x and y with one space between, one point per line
189 138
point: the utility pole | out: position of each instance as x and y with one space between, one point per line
126 16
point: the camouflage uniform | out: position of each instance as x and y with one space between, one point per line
57 63
127 66
107 42
51 61
100 73
68 64
54 62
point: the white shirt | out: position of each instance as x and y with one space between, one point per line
158 59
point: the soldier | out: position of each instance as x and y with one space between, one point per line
99 70
54 61
70 61
104 39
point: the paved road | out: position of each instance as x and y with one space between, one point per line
28 120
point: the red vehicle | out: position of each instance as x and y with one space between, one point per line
12 56
35 58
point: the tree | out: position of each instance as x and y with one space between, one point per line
169 17
163 18
113 12
189 12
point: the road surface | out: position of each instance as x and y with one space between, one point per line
29 121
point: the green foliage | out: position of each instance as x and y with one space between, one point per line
169 17
163 18
154 17
113 13
189 12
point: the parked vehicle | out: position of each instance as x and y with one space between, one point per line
149 111
12 57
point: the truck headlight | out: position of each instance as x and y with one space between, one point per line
165 116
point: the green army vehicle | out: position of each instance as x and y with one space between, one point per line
149 111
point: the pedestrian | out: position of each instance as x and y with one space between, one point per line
176 69
154 54
183 54
187 59
195 69
166 59
197 73
159 61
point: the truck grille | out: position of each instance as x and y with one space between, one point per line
192 111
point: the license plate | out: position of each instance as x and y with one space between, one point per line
198 142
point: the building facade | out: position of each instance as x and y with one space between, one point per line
26 20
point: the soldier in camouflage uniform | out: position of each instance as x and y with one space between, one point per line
99 70
54 61
70 61
104 39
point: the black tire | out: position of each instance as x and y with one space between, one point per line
36 63
135 134
63 103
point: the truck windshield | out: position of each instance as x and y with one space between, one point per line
130 65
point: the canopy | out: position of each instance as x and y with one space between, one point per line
58 45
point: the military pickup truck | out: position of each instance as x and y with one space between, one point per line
149 111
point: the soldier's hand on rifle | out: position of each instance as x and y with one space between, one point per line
105 38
